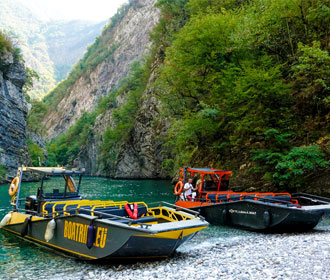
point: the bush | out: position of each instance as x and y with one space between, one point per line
36 153
293 168
35 117
6 45
285 165
3 172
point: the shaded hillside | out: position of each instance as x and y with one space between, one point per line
241 85
48 47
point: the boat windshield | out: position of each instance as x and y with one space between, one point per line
57 187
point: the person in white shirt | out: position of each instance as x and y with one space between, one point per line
188 189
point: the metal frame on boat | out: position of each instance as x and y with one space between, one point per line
94 229
254 211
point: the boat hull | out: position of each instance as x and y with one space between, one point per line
260 216
112 239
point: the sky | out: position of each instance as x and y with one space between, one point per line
92 10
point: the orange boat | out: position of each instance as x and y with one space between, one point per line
254 211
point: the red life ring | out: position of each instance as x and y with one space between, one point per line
133 214
178 188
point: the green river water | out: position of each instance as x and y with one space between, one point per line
20 259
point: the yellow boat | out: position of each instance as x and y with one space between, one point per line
94 229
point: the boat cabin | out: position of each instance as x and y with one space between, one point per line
61 190
206 179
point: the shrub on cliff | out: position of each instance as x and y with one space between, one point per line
3 172
36 153
5 45
285 165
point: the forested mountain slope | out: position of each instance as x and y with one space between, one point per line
241 85
49 47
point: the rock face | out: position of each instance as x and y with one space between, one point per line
141 155
130 37
13 113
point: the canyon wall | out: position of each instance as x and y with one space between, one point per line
13 113
129 40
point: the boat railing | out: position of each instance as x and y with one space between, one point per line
177 208
267 199
57 214
246 196
313 198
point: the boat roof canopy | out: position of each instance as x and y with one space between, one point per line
208 171
54 171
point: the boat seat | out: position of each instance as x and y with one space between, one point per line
212 197
49 209
265 198
285 198
59 207
222 197
140 220
271 198
121 212
234 197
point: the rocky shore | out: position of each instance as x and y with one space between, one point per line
228 254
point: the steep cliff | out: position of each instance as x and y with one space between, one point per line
126 41
142 153
13 113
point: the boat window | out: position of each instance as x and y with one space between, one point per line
56 186
210 182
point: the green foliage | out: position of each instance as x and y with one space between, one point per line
35 117
293 168
3 172
241 88
8 46
31 77
174 15
285 165
65 148
5 45
312 81
36 153
239 68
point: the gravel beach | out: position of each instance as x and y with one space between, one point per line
246 256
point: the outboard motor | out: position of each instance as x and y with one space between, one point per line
31 203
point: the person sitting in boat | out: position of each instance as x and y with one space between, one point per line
188 190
